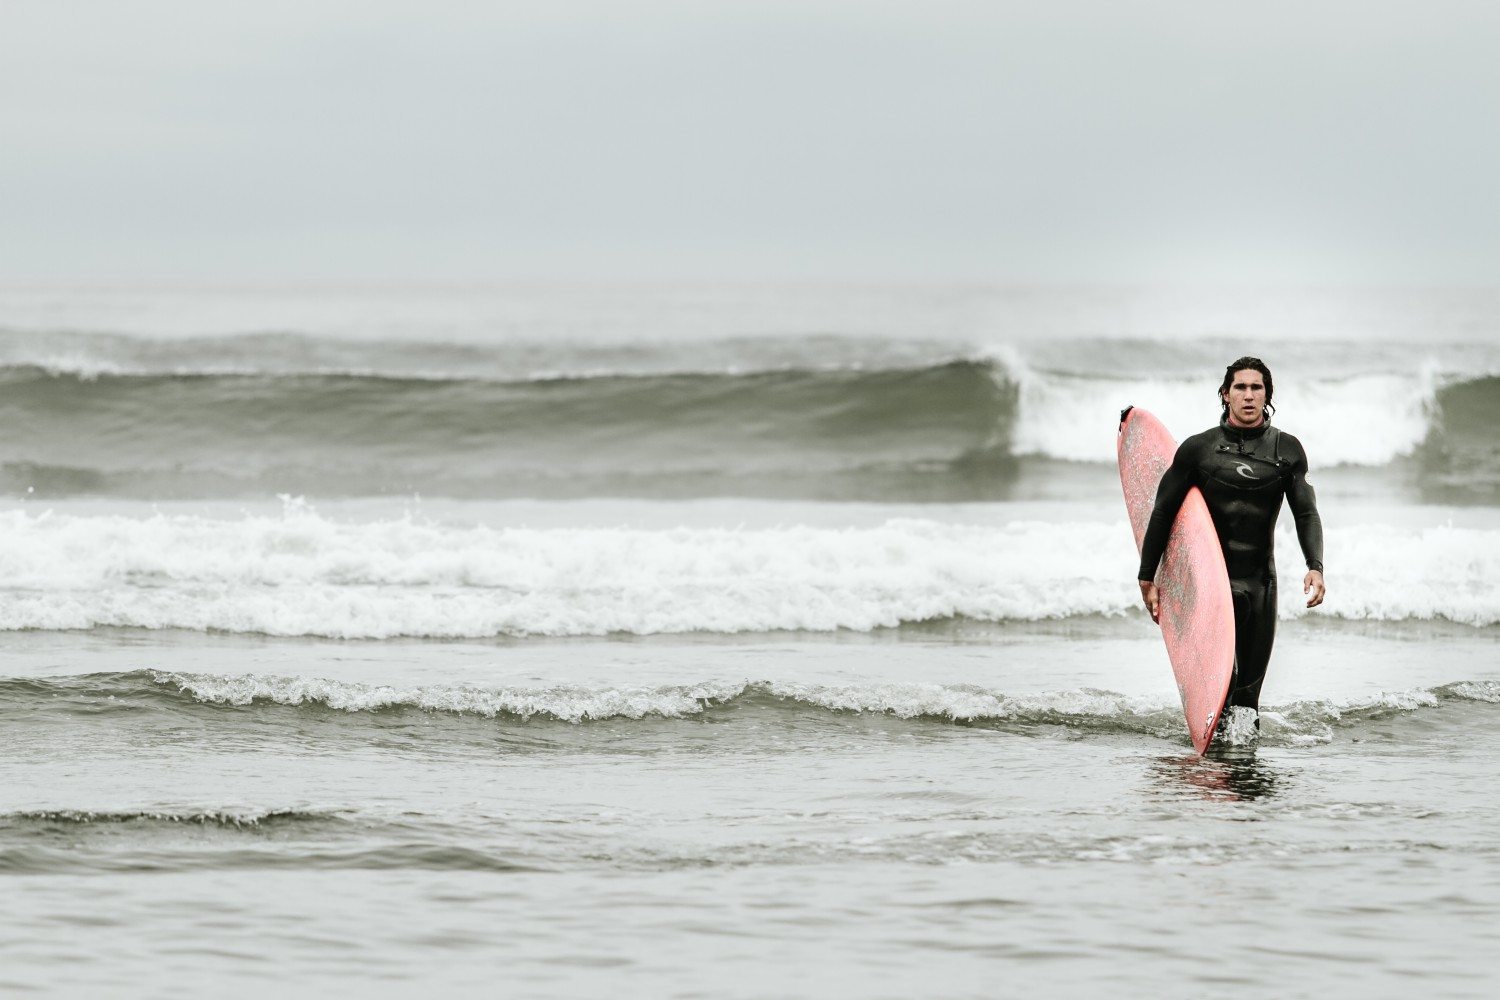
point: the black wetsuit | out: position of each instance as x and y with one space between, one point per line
1243 475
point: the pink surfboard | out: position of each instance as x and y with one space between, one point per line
1197 613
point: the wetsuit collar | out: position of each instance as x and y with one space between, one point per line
1242 434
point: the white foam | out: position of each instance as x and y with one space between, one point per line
577 704
567 704
1238 727
1486 691
1298 721
1381 573
304 574
910 701
1365 420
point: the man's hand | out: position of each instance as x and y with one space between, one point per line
1152 597
1313 582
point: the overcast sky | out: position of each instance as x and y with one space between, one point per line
1305 142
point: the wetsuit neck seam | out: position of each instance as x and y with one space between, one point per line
1244 434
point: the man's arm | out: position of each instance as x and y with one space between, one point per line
1303 500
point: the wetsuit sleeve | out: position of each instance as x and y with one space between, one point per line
1304 503
1173 489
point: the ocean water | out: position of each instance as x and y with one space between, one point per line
725 641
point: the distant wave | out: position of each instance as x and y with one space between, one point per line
303 574
1082 709
96 355
958 429
333 435
72 841
220 818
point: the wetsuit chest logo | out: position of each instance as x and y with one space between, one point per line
1245 471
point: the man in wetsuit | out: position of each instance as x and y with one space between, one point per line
1244 467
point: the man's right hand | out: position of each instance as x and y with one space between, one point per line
1152 597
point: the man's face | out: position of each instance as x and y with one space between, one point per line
1246 397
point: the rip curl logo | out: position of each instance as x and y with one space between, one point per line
1244 469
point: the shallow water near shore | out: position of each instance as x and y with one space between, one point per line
572 816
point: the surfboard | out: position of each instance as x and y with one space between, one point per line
1196 609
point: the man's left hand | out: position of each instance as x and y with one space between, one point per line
1313 583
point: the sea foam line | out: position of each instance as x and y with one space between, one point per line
903 700
563 704
306 575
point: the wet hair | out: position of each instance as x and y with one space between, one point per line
1239 365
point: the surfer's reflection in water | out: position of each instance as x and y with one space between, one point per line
1220 776
1243 467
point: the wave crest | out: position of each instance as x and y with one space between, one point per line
1086 710
922 427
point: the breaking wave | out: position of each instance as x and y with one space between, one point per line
1081 709
305 575
874 422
